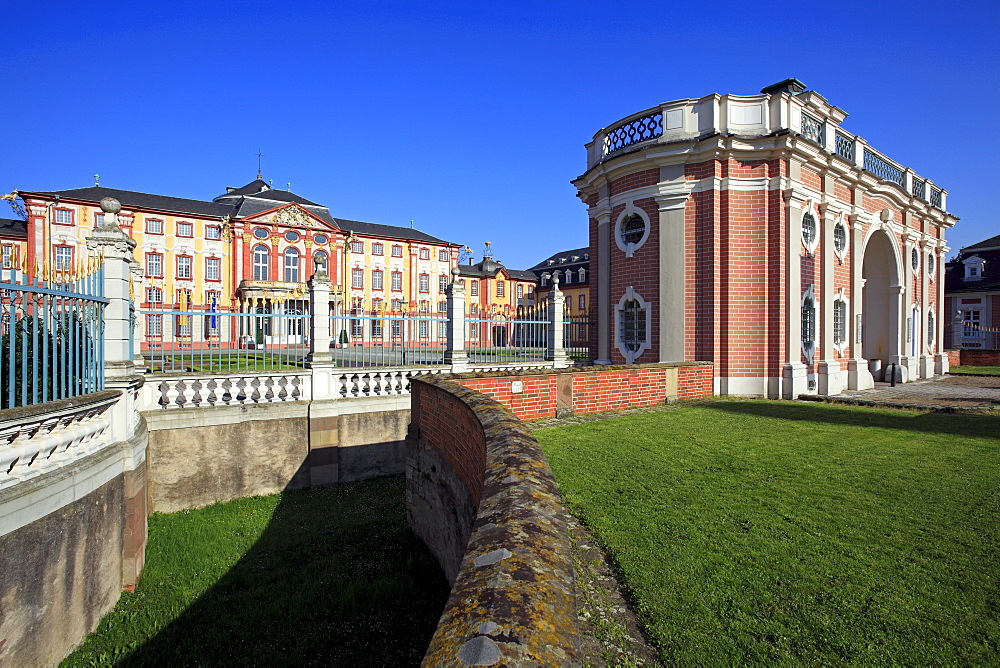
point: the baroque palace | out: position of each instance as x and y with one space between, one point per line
252 245
754 232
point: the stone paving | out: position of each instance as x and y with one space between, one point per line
948 393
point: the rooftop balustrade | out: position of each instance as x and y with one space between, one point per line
805 114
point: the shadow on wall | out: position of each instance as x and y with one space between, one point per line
336 577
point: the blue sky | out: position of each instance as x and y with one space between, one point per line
469 118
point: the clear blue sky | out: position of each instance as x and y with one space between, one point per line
469 118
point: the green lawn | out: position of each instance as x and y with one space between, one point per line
326 577
983 370
208 362
775 533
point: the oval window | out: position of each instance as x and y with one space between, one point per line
840 237
632 229
915 259
808 229
261 233
320 239
930 264
291 235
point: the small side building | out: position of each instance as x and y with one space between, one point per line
972 298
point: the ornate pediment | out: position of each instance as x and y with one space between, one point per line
292 215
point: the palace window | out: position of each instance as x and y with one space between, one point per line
261 263
583 275
425 254
808 230
213 269
915 259
9 259
261 233
377 248
396 279
520 290
839 322
633 325
185 229
213 232
501 288
357 246
357 278
808 320
183 266
931 330
154 295
970 323
320 239
474 288
291 236
64 217
442 256
839 237
582 303
154 265
292 265
154 226
377 304
377 279
376 328
632 228
397 304
442 283
397 250
154 325
424 283
930 263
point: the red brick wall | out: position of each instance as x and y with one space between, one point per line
592 389
647 177
641 271
973 357
444 418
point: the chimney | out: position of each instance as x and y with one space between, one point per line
793 86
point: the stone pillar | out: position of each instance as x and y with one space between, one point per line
859 376
927 302
671 265
910 335
138 320
554 314
319 358
603 285
897 325
319 312
827 368
794 380
941 361
120 373
454 353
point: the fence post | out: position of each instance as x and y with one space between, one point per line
319 359
556 352
454 353
138 322
119 367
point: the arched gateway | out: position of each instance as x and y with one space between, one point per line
754 232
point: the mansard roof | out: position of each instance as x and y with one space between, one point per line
563 260
388 231
250 200
137 200
489 268
987 250
13 228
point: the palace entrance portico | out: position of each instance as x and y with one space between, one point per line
882 304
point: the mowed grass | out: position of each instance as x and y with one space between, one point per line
776 532
323 577
983 370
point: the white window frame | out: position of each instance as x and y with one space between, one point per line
185 268
630 248
442 255
154 265
293 265
841 253
632 355
396 281
397 250
377 279
213 269
840 298
261 263
357 246
809 301
809 244
357 278
188 227
213 232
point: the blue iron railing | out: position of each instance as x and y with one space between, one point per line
576 336
936 197
398 338
51 333
845 146
633 132
882 168
251 335
505 337
813 129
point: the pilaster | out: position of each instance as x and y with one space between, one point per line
859 376
794 378
602 214
672 203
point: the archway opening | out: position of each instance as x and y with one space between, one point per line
879 341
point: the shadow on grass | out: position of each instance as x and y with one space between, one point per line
336 578
964 424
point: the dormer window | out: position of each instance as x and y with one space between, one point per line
974 267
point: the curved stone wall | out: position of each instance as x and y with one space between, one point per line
481 496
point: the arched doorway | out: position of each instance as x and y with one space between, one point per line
880 302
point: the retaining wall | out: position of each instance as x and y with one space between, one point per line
480 494
975 357
199 456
